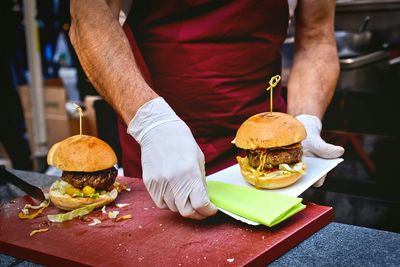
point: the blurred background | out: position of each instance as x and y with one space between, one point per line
41 78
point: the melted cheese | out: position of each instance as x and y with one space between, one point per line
263 158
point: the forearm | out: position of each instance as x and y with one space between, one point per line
105 55
313 80
315 67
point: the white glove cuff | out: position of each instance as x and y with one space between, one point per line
309 121
149 116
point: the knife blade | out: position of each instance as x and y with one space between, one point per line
31 190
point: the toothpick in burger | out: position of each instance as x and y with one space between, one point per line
272 141
88 173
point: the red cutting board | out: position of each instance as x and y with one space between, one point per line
153 237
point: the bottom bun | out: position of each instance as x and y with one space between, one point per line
64 201
272 180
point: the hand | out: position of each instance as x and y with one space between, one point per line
172 162
314 146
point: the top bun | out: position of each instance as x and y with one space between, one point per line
81 153
264 130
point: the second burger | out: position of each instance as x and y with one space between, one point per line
272 142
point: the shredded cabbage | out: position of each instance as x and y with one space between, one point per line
24 214
94 222
63 217
103 210
41 205
298 167
80 194
34 232
113 214
62 186
284 169
121 205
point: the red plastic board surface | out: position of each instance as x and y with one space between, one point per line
152 237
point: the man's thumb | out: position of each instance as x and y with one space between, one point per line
325 150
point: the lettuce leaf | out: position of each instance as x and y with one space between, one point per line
63 217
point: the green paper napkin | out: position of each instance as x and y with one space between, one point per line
260 206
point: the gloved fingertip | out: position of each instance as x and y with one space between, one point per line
308 154
326 150
320 182
339 151
317 184
201 202
196 216
162 205
186 210
333 151
209 210
170 202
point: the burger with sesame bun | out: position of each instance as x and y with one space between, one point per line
88 173
272 142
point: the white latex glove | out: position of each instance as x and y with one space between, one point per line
172 162
314 146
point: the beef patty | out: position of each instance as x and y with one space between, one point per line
276 156
100 180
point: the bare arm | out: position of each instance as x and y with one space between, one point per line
315 69
105 55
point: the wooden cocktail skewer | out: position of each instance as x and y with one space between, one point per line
80 117
272 83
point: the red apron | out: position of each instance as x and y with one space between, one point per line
211 61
